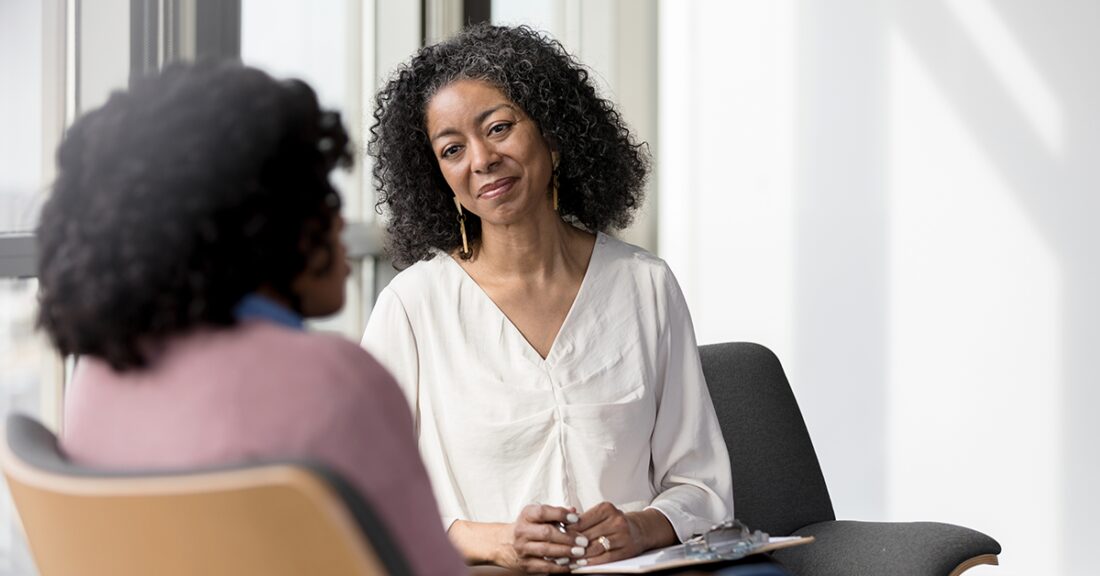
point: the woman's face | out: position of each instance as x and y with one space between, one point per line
491 153
323 294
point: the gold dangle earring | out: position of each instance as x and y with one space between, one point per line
462 227
554 178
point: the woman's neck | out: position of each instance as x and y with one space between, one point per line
538 248
270 293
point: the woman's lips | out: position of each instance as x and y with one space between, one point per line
496 188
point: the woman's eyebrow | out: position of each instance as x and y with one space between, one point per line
477 120
481 117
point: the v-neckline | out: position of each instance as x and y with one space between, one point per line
530 348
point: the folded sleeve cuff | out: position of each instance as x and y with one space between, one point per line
684 524
448 521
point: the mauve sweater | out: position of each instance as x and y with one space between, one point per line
258 391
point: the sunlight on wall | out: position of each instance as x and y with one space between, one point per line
727 145
1014 68
929 282
974 340
677 123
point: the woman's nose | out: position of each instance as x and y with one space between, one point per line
483 157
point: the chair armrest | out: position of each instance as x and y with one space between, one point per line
848 548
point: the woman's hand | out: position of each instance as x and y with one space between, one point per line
540 544
614 535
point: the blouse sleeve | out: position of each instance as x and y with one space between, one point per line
390 339
691 467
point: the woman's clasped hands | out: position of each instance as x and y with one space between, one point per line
555 539
543 539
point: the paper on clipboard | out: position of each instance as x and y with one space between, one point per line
654 561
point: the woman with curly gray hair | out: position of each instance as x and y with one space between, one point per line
552 370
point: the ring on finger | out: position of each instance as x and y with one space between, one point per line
605 543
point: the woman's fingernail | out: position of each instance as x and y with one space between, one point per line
572 518
561 561
577 551
582 541
582 562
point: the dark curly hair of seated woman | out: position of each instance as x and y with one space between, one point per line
601 173
177 198
191 230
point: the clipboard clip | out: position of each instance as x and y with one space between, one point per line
729 540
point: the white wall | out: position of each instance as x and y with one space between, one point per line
897 196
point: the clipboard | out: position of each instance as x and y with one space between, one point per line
727 541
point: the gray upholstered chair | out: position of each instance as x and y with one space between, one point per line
274 518
778 486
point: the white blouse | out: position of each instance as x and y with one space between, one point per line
617 411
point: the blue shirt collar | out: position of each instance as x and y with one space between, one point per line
256 306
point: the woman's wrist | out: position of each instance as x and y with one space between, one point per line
482 542
653 528
500 550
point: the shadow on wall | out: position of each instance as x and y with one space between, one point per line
1020 85
1034 114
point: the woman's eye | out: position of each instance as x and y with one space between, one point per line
500 128
451 150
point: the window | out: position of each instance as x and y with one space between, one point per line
31 111
60 57
323 43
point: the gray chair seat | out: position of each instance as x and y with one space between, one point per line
778 486
850 548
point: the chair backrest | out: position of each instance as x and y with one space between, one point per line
777 482
274 518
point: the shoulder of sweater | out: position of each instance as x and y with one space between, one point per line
335 361
326 349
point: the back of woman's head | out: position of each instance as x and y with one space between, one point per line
178 197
